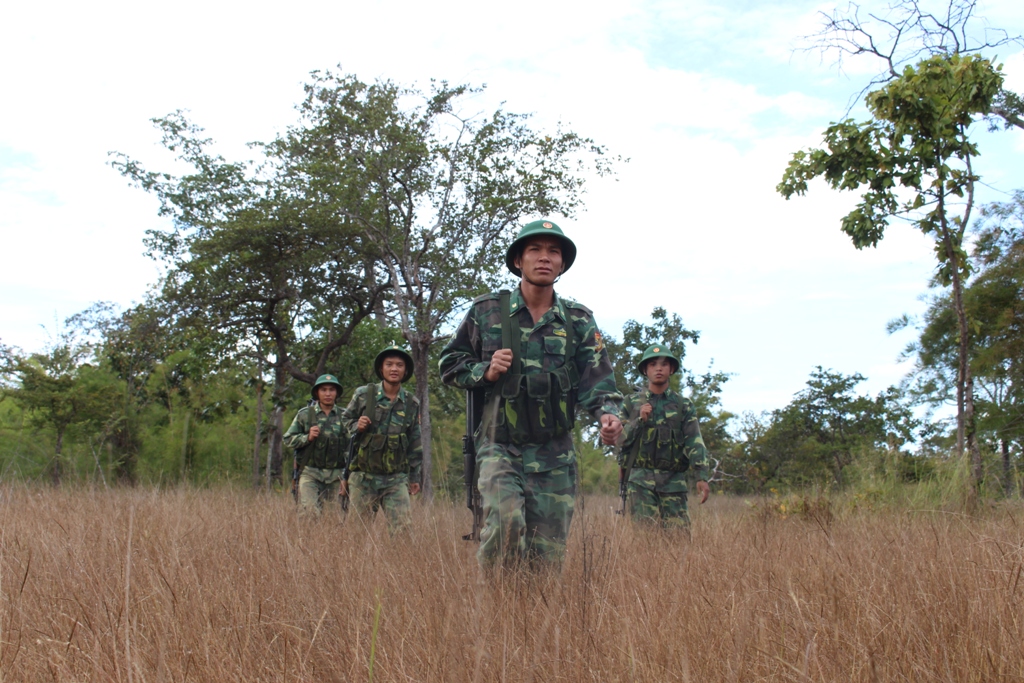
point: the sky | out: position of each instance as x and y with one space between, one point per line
707 100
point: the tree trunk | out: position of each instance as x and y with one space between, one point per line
56 471
125 439
966 443
1004 447
421 361
275 433
186 464
258 439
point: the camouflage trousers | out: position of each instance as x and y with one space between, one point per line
317 486
648 506
369 492
526 514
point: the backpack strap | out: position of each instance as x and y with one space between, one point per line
510 338
570 346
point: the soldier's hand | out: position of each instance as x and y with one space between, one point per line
704 489
414 488
342 489
611 428
645 411
314 432
501 361
363 424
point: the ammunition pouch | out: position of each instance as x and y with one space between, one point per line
662 447
325 452
382 454
538 407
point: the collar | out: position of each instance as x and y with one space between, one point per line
334 409
516 303
668 393
381 396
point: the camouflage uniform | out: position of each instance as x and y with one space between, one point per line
670 444
388 455
322 459
526 462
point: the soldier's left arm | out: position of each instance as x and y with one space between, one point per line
415 452
597 393
693 443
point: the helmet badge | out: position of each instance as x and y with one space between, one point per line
548 225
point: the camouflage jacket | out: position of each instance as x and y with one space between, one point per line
391 444
328 450
543 348
670 440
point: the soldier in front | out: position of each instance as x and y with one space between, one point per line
661 441
537 356
384 420
320 441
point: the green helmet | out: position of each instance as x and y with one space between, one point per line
322 380
657 351
393 350
534 229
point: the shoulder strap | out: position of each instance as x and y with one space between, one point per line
570 336
510 338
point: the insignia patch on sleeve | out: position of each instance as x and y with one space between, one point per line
600 342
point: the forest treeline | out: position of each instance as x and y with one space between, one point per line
124 396
385 209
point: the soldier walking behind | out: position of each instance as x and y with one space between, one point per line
537 356
384 419
661 441
320 441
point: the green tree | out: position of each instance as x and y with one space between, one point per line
992 301
905 32
914 160
60 389
435 193
256 266
131 344
818 434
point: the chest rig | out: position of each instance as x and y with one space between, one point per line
384 448
533 407
662 445
327 451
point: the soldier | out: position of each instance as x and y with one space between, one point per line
384 419
537 356
661 441
320 441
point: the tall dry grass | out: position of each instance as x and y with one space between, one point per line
223 585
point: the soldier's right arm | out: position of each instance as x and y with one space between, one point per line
350 414
297 435
462 360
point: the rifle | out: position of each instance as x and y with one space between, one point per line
474 413
622 491
345 471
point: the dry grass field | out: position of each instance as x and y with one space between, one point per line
222 585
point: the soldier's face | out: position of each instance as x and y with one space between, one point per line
327 394
541 260
393 369
658 370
